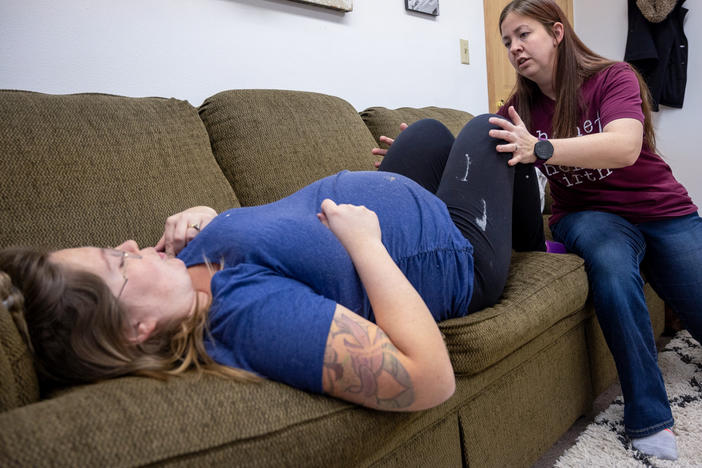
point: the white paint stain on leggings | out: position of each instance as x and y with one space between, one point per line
482 222
465 177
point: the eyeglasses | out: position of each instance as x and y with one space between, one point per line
122 264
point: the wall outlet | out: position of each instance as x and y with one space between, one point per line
465 56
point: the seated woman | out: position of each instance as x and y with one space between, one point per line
336 288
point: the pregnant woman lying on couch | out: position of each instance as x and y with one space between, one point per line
336 288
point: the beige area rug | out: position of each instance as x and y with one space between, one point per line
603 443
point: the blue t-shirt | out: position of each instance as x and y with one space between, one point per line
284 271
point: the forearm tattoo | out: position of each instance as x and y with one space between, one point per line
368 369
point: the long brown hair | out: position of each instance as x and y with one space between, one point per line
575 63
77 329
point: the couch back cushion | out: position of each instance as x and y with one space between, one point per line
92 169
383 121
96 169
271 143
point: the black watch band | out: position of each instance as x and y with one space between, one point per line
543 149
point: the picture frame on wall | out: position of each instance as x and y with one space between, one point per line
341 5
428 7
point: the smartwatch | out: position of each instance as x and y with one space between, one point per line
543 149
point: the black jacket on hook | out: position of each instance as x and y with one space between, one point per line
659 52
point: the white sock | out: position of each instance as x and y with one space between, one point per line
661 445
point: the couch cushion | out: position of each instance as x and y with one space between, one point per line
383 121
98 169
208 422
541 290
18 379
270 143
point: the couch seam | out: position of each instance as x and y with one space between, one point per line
417 434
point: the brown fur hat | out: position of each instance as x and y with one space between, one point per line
656 10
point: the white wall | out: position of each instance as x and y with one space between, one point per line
377 55
602 24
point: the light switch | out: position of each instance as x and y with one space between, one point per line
465 56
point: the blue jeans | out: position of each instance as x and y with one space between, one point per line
669 253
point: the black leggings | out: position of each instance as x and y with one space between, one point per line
495 206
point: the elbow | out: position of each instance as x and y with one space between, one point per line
437 386
449 385
450 388
445 388
623 159
630 152
631 157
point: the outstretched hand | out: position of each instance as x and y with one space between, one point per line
519 141
353 225
182 227
388 141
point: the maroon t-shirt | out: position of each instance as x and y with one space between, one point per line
645 191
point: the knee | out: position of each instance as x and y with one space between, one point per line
425 139
483 121
610 264
478 127
431 128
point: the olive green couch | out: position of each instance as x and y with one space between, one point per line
98 169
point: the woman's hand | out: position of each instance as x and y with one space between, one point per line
388 141
353 225
182 227
519 141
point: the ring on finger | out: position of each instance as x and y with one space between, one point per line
195 226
